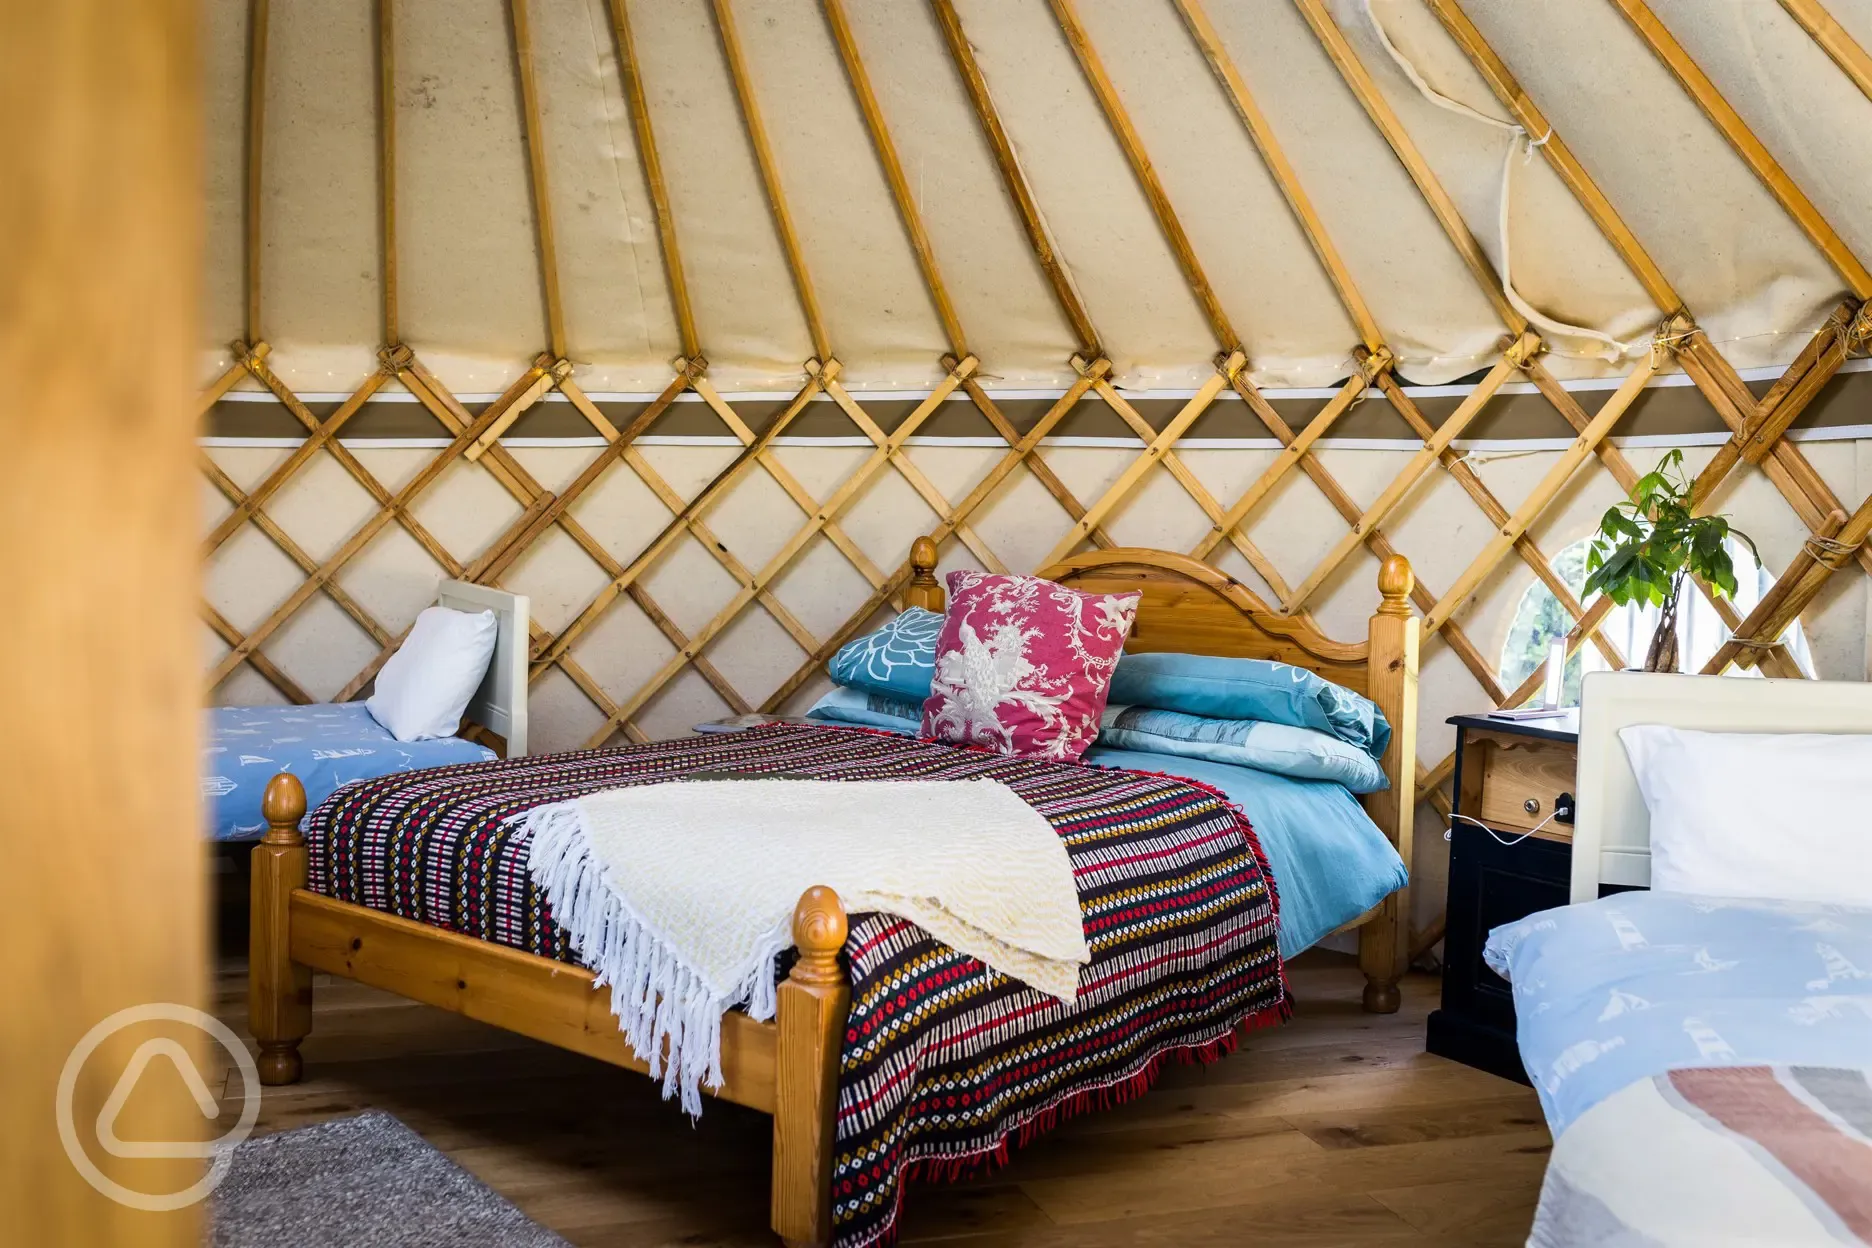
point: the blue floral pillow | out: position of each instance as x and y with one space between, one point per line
897 661
1278 693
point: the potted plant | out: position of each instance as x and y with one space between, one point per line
1648 547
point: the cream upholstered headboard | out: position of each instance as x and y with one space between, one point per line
500 704
1611 827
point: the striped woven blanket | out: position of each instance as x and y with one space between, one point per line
945 1064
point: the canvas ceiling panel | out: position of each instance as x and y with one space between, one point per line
1560 262
1744 269
320 268
1000 294
620 327
1780 81
1244 236
746 312
224 112
1101 224
878 313
467 268
1427 304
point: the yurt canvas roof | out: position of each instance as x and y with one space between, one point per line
1685 223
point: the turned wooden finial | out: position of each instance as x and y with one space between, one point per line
819 928
284 805
923 560
1395 582
924 590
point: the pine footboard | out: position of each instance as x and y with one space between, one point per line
787 1068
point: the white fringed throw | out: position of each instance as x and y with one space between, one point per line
681 895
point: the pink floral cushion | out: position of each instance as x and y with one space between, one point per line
1023 665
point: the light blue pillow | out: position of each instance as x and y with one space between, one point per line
1275 693
871 710
897 661
1300 753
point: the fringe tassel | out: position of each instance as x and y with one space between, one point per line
1105 1096
669 1016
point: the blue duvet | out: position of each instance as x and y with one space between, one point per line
325 746
1330 861
1639 983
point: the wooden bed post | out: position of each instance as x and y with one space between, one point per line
279 990
1384 943
924 590
812 1007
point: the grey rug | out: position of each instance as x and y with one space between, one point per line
364 1182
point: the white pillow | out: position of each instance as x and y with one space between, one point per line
425 686
1733 814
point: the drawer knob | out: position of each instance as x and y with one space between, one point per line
1532 805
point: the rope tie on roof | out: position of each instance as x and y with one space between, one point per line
1673 329
1612 349
1831 553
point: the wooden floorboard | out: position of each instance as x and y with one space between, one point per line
1336 1129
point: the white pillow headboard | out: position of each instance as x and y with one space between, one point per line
500 704
1611 827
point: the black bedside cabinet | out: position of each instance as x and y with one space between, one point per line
1510 775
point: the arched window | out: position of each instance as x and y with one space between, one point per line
1538 619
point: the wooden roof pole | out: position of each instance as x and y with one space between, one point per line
386 163
1724 117
1793 476
1284 176
1378 108
1834 40
912 218
639 108
894 174
536 165
1018 190
256 143
1152 186
1495 72
770 177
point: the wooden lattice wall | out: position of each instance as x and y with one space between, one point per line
1837 528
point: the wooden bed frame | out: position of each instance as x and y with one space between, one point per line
789 1067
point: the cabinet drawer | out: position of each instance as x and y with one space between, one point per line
1520 782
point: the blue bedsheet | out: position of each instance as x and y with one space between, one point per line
325 746
1633 985
1330 861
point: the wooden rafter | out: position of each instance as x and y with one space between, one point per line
1282 170
258 18
1753 152
536 168
1834 39
639 108
1379 109
756 130
886 150
1554 148
1014 180
1133 147
386 164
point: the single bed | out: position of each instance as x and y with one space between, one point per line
329 745
902 1059
1705 1063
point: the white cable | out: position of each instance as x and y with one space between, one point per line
1526 143
1615 350
1429 92
1500 839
